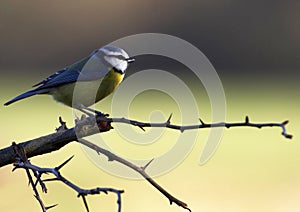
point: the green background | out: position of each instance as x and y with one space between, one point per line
253 47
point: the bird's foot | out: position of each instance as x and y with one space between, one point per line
91 112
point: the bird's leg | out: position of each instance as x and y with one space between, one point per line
85 110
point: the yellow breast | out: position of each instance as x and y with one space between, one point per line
87 92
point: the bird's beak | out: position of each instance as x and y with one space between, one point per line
130 60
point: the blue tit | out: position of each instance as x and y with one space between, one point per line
85 82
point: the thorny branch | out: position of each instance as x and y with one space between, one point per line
202 124
23 162
93 125
89 126
140 170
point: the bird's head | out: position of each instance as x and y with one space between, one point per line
116 58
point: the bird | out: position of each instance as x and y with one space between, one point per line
86 81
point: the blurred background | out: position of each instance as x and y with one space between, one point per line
254 47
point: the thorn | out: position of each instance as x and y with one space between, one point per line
64 163
169 119
144 167
61 121
37 197
85 202
51 206
141 127
202 122
285 122
50 179
44 189
247 120
63 126
287 135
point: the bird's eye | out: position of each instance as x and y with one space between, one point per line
121 57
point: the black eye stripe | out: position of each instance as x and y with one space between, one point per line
121 57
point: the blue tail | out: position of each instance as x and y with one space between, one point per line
25 95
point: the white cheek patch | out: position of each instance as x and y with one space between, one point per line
117 63
122 66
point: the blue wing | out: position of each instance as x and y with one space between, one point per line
92 67
89 68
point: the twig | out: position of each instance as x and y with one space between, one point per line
202 124
141 170
21 158
58 177
88 127
55 141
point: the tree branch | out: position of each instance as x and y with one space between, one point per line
23 162
141 170
51 142
87 127
202 124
